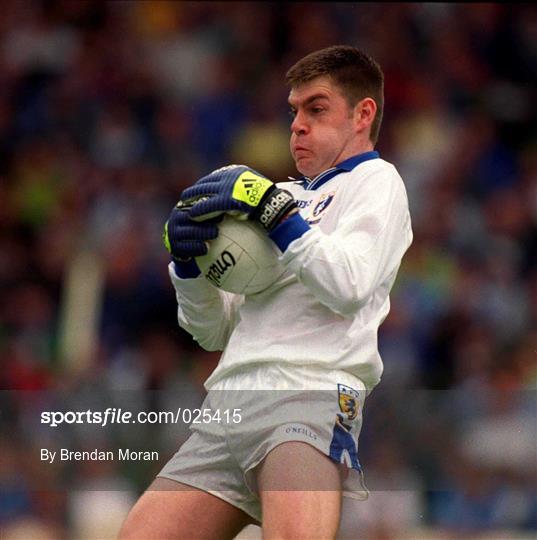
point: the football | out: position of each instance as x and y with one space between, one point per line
242 259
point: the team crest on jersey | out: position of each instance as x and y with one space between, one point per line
349 398
321 206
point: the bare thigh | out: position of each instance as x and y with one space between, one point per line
169 510
300 490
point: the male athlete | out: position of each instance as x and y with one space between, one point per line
311 338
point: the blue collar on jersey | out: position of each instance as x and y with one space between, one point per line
345 166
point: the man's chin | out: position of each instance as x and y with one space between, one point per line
305 168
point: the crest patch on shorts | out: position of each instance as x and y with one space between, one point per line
344 443
348 398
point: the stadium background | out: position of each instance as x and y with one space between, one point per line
109 109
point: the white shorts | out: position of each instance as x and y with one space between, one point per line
275 403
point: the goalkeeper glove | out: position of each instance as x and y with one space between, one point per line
239 190
185 239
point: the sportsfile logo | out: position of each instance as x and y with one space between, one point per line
218 269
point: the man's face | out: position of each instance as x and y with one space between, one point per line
323 129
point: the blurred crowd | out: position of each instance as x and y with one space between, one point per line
109 109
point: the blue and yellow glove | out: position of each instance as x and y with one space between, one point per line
241 191
186 239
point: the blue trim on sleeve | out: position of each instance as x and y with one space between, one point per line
186 269
291 229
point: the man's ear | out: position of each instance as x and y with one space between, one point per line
364 114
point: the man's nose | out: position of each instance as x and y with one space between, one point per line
299 125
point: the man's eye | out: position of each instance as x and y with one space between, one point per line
317 110
292 113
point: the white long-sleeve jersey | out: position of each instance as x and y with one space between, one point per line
342 252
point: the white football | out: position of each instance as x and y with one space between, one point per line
242 259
